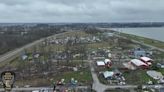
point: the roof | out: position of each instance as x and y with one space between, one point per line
116 71
129 66
161 90
138 62
109 55
35 91
108 74
155 74
100 63
107 60
146 59
24 57
139 53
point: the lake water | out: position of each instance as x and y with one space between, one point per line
153 33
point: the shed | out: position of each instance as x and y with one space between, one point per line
24 57
107 61
108 74
100 63
109 55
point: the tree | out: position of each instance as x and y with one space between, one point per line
68 47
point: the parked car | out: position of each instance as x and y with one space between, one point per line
44 90
159 65
35 91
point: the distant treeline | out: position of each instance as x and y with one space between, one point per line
130 25
119 25
12 37
83 25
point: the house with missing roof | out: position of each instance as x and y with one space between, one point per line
139 53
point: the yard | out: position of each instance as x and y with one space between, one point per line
131 90
82 76
137 77
28 73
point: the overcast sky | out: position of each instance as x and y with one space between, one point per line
81 10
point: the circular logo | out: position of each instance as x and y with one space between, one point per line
8 78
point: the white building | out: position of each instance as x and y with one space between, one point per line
100 63
108 74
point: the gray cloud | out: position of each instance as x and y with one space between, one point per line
81 10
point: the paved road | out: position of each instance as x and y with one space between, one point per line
99 87
135 41
39 88
15 52
153 47
25 89
96 83
96 86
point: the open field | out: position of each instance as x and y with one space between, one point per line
130 90
149 41
137 77
132 77
73 34
83 77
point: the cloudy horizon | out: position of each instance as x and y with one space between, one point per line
54 11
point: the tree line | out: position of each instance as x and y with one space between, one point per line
12 37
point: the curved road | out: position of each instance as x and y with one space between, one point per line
12 54
138 42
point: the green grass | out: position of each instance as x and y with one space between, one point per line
72 62
137 77
149 41
161 70
37 82
132 77
102 79
83 76
98 45
159 55
15 62
73 34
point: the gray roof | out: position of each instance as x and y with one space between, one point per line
161 90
